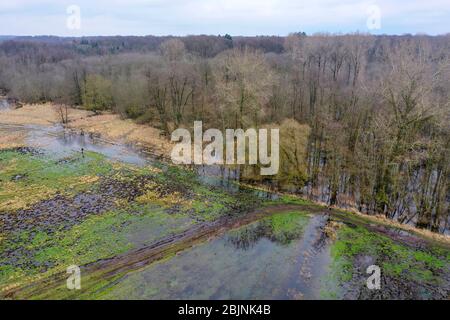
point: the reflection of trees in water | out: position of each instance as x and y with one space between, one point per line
245 238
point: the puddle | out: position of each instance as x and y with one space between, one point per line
279 257
61 143
4 105
228 179
218 176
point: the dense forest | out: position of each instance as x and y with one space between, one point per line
366 118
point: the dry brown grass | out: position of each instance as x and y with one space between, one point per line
331 229
12 139
112 127
381 219
37 114
20 196
108 125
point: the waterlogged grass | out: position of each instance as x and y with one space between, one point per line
254 261
425 266
45 170
287 226
211 203
98 237
26 179
203 271
185 191
287 199
172 200
281 228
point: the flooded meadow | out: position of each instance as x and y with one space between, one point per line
140 228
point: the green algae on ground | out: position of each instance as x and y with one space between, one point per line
287 226
26 179
290 199
168 201
424 266
43 169
207 202
32 251
94 284
98 237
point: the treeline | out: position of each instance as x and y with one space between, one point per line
53 49
365 118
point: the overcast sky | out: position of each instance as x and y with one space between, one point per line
236 17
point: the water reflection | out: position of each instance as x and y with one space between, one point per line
281 229
229 178
60 143
264 260
4 105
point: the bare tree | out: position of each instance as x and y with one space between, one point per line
62 111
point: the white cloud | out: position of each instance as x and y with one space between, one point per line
219 16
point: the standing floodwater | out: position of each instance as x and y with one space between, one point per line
280 257
4 105
160 232
58 142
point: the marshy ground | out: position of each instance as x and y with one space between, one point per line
143 229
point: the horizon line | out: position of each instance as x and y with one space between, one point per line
319 33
